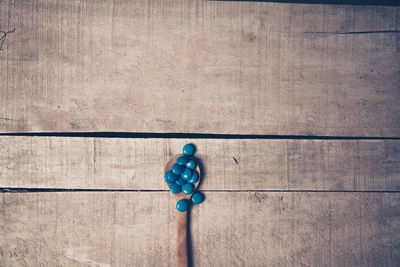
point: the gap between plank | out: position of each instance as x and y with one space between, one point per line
324 2
35 190
194 136
365 32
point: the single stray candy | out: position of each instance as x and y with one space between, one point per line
194 178
175 188
182 160
181 181
191 164
197 198
187 189
189 149
182 205
177 169
170 177
187 174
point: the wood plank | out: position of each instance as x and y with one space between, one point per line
228 229
115 163
200 66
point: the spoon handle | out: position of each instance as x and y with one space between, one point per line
181 241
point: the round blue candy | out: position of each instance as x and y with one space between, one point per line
182 160
175 188
170 177
194 178
180 181
189 149
187 174
197 198
187 189
182 205
191 164
177 169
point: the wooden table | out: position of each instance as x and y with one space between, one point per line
294 109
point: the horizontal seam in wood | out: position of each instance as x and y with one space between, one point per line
319 2
34 190
194 135
364 32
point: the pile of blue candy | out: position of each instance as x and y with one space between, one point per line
183 176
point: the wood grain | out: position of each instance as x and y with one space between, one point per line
228 229
114 163
200 67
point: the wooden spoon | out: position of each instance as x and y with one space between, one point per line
181 241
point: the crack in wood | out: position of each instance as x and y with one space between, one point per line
4 37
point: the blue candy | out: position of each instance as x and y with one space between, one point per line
187 174
181 181
189 149
182 205
170 177
187 189
194 178
197 198
191 164
182 160
177 169
175 189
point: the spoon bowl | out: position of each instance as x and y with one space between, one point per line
168 167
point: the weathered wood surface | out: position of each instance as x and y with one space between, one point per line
104 163
229 229
224 67
205 67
